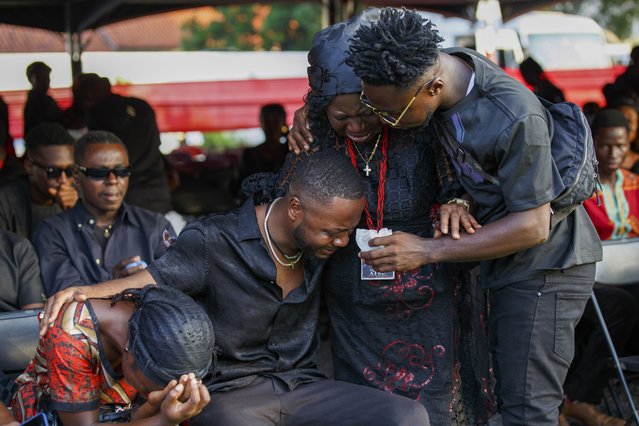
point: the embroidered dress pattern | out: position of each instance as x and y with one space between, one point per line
380 329
405 368
409 291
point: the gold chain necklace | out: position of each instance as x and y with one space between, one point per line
293 259
367 169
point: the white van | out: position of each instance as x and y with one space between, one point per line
556 40
559 41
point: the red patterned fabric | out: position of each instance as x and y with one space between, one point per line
69 367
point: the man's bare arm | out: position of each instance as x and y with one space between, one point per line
513 233
81 293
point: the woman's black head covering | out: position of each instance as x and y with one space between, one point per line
169 334
328 74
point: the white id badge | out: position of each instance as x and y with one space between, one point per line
362 237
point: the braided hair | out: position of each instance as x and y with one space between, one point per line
169 334
395 50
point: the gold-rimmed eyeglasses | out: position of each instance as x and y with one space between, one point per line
387 116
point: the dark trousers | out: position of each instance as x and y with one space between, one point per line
268 401
590 370
532 326
632 345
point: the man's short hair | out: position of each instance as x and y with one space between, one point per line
92 138
36 67
325 175
609 118
394 50
276 109
46 134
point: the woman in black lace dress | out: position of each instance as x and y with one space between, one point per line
417 334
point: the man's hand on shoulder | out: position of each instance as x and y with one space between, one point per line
55 303
299 135
453 218
80 294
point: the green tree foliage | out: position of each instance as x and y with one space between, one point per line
614 15
256 27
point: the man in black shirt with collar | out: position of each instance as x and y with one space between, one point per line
257 272
102 237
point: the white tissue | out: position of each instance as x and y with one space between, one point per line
363 236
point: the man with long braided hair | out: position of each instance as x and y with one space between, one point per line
154 342
257 270
539 276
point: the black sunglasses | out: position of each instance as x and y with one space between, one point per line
53 172
101 174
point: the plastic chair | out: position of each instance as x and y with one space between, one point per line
19 337
619 266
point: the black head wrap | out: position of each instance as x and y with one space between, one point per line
169 334
328 74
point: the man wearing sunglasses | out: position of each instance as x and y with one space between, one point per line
102 237
539 277
48 188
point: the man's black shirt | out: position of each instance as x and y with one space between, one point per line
222 262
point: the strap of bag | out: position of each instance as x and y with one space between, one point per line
461 155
